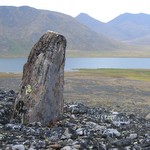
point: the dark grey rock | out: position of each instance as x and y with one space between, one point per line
123 142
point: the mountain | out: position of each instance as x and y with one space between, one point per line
21 27
132 28
94 24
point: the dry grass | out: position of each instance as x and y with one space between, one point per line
132 74
10 75
140 52
120 90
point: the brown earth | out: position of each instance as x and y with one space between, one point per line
118 94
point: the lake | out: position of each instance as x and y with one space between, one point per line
16 64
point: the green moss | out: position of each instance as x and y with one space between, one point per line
133 74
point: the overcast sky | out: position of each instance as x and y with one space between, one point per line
102 10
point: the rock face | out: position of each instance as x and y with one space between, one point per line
40 96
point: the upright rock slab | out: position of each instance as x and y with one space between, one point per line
40 97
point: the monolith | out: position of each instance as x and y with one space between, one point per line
40 95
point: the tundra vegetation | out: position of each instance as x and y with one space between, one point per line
119 89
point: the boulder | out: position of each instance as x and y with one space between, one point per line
40 95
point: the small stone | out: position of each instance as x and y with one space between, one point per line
80 131
55 146
147 117
76 146
11 93
67 148
18 147
67 133
95 126
133 136
31 148
111 133
123 142
1 137
35 124
146 143
15 127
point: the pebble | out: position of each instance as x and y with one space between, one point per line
147 117
67 148
18 147
81 127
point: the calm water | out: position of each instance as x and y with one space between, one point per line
16 64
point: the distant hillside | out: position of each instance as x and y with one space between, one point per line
132 28
22 26
92 23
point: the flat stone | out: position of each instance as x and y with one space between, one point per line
67 148
147 117
18 147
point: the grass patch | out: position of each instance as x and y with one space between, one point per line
144 53
132 74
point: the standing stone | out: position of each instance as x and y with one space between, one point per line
40 96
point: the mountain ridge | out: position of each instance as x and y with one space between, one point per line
21 27
126 27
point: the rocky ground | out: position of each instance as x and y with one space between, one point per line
99 113
119 94
80 127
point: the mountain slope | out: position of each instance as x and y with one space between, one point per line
132 28
21 27
94 24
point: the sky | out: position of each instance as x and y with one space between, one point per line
102 10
